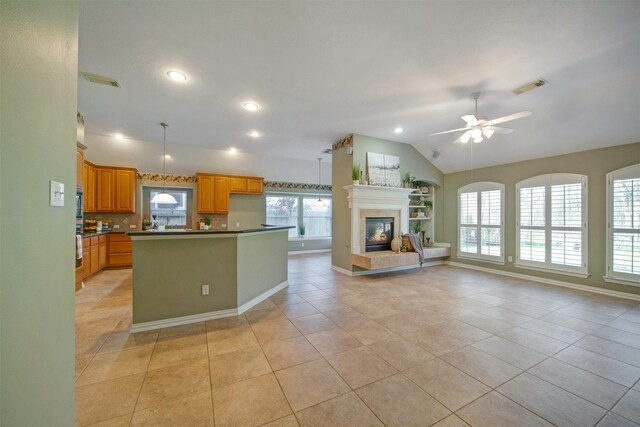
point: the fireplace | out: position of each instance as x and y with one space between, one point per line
379 232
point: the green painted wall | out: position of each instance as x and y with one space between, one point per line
594 163
262 263
410 161
38 84
248 210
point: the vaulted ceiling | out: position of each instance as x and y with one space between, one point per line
322 70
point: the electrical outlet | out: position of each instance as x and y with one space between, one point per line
205 289
116 226
510 258
132 226
224 225
237 225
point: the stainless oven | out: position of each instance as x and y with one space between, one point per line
79 212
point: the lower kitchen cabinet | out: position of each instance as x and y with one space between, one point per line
103 251
120 250
99 252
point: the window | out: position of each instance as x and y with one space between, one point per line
300 209
481 221
169 214
623 226
552 223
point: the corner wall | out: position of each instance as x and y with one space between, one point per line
38 69
594 163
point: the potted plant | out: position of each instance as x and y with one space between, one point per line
147 224
207 222
428 205
301 228
355 174
417 227
408 180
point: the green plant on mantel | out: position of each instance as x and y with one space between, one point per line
355 172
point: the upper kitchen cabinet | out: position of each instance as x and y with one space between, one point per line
109 189
79 169
205 193
89 180
106 190
255 185
214 190
125 197
238 184
221 194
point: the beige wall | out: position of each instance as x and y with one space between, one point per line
594 163
39 67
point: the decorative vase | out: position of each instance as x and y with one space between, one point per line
395 244
356 182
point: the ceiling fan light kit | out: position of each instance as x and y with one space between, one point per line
478 127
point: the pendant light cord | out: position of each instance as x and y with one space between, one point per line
319 185
164 157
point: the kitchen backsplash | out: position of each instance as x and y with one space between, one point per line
125 220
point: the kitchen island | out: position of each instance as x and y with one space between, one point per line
171 269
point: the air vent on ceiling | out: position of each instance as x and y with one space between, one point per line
103 80
328 151
530 86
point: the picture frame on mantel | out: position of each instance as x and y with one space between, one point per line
384 170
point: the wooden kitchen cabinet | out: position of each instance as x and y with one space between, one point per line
85 270
120 250
221 194
238 184
255 185
115 190
80 169
125 190
106 179
205 193
103 248
89 180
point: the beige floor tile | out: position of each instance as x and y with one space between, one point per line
332 341
310 383
118 341
231 339
449 385
619 336
258 316
554 331
263 305
435 343
172 383
314 295
535 341
399 323
328 304
482 366
286 353
108 399
313 323
603 366
574 323
229 368
288 421
122 421
584 384
286 299
274 331
179 350
461 330
486 323
611 349
371 333
196 411
399 402
629 406
401 353
614 420
192 330
550 402
231 322
495 410
343 411
517 355
451 421
115 365
80 364
522 308
298 310
360 366
250 402
506 315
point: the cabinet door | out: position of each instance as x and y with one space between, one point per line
80 169
237 184
254 185
86 258
102 252
90 189
205 194
106 190
125 190
221 194
85 187
95 261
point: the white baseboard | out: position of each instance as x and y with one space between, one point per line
384 270
201 317
310 251
561 283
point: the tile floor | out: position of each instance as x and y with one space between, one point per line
438 346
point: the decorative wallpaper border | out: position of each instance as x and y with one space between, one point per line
343 143
158 177
278 185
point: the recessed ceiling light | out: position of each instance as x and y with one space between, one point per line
233 150
251 106
398 130
177 76
167 156
119 136
255 134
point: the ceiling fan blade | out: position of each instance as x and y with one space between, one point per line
470 119
464 138
448 131
508 118
497 129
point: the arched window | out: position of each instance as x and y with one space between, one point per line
623 226
481 221
551 220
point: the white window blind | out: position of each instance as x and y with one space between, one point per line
623 233
552 223
481 221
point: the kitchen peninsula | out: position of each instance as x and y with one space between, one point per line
171 269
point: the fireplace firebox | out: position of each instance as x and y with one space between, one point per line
379 233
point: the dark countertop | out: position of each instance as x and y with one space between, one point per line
225 231
101 233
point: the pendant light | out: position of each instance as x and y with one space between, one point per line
164 197
319 203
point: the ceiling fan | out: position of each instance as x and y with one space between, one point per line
479 126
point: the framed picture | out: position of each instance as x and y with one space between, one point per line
392 171
384 170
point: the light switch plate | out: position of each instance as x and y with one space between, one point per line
56 194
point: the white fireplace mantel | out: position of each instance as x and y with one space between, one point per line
371 197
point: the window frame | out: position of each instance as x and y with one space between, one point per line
300 208
478 188
629 172
547 181
189 199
